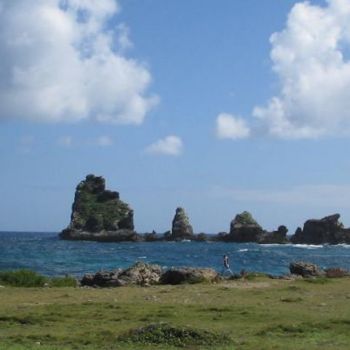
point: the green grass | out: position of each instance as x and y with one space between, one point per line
28 278
260 314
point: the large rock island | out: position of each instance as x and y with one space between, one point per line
326 230
99 214
244 228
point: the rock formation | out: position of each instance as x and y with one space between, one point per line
305 269
188 275
244 229
327 230
181 228
143 274
275 237
99 214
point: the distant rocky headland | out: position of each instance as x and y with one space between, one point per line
99 214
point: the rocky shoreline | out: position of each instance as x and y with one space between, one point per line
100 215
145 275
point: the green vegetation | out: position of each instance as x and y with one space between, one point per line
246 218
163 333
28 278
238 314
97 213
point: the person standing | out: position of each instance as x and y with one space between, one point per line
226 266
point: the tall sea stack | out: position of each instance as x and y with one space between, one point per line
181 228
99 214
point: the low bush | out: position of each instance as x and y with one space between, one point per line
163 333
28 278
22 278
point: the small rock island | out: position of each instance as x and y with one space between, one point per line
99 214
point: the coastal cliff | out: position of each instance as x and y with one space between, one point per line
99 214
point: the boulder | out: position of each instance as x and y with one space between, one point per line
102 279
326 230
181 228
336 272
188 275
244 228
99 214
141 274
305 269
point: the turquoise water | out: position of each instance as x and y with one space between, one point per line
45 253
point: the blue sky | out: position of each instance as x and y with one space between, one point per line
192 103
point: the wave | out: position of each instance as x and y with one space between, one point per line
242 250
308 246
343 245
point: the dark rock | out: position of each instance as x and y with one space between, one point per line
275 237
336 272
188 275
99 214
244 229
181 228
305 269
327 230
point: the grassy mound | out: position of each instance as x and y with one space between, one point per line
163 333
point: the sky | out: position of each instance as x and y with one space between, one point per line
218 107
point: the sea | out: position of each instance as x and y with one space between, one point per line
45 253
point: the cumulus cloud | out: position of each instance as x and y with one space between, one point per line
231 127
310 57
64 60
170 145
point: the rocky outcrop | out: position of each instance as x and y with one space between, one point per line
188 275
141 274
181 228
244 228
275 237
99 214
305 269
327 230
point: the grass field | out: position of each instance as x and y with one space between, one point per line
257 314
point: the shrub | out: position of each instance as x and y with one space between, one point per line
22 278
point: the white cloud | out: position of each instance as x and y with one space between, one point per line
65 141
310 58
231 127
62 61
170 145
104 141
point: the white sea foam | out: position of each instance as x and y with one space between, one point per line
142 257
243 250
343 245
308 246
